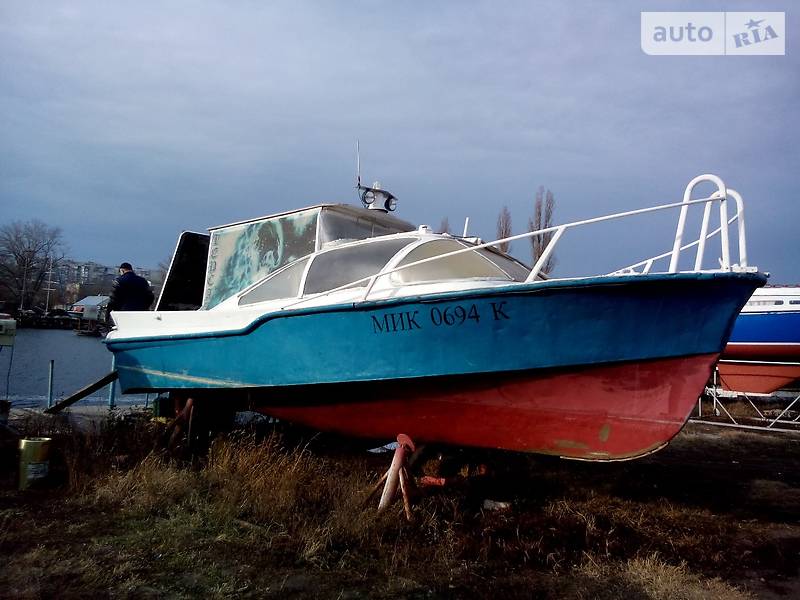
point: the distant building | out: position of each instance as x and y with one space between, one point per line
74 279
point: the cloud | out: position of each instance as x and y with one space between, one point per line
150 118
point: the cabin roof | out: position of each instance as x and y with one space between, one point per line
347 209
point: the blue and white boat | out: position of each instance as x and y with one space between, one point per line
763 354
350 320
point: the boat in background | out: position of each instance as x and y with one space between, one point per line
349 320
89 315
763 354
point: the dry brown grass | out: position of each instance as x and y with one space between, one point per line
264 516
652 578
294 499
152 486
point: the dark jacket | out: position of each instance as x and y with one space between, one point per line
130 292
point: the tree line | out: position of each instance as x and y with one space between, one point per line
29 252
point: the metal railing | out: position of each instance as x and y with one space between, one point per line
720 196
647 264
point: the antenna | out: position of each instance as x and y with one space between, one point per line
372 197
466 226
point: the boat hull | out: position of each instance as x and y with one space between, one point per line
602 368
763 354
541 326
758 377
609 412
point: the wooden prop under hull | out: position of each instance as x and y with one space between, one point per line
607 412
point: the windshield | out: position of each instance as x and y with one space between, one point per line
466 265
340 266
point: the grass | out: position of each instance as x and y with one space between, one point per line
266 515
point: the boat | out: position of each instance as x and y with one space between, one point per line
763 354
349 320
89 315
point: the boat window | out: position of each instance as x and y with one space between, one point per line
515 270
335 226
340 266
460 266
794 301
283 284
185 281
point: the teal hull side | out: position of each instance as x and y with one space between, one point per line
551 325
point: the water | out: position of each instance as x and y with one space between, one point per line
79 361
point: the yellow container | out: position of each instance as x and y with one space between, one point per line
34 461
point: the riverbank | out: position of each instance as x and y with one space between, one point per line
77 362
275 514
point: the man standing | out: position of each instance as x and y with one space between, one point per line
130 291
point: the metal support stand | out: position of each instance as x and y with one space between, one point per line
396 476
722 406
113 386
50 385
182 422
785 410
717 395
754 407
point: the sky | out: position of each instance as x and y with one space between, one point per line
126 123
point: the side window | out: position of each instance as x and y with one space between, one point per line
283 284
460 266
340 266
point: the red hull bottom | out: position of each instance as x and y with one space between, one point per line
595 413
762 379
740 372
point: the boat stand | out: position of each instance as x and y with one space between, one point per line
759 420
396 476
182 423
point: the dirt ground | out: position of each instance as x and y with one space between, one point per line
716 514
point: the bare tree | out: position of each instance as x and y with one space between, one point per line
542 219
160 274
504 229
28 251
444 226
